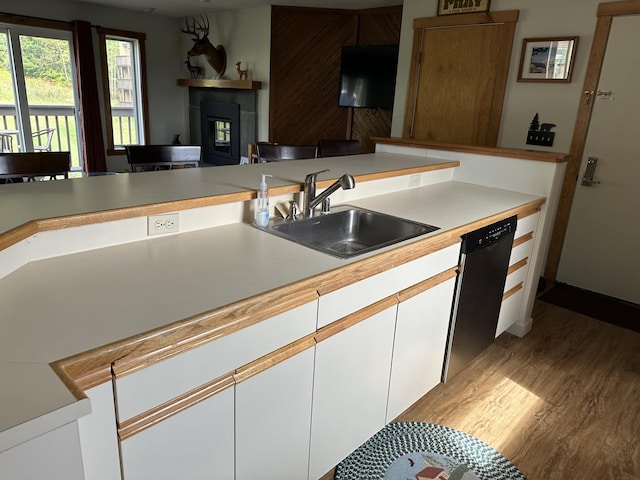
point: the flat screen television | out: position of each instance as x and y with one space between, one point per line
368 76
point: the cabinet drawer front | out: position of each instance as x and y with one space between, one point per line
275 400
527 224
351 384
419 346
168 379
509 311
195 443
517 276
523 250
351 298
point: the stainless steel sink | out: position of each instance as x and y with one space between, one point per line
348 231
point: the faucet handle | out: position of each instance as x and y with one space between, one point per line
293 210
312 176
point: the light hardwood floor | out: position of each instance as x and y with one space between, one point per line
561 403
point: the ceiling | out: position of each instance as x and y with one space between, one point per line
181 8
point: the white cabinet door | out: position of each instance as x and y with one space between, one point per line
194 444
273 420
98 435
53 455
419 347
351 385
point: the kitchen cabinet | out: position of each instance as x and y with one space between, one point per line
273 414
55 455
351 383
185 424
196 443
519 275
98 435
420 341
338 303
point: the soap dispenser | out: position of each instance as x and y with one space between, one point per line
262 210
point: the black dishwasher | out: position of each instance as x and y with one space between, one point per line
484 260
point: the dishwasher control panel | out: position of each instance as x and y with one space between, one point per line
489 234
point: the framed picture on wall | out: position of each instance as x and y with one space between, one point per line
547 59
450 7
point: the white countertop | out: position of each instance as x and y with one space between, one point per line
23 202
48 312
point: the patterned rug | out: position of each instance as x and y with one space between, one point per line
423 451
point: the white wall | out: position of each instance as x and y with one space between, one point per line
555 103
164 60
246 35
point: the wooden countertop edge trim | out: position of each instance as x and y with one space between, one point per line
91 368
32 227
137 424
535 155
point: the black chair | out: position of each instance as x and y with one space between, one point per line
337 148
162 157
273 152
31 166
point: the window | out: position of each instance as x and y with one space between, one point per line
124 83
38 94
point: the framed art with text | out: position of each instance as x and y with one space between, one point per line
450 7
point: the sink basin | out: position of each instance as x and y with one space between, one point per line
348 231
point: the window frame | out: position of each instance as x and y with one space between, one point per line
110 33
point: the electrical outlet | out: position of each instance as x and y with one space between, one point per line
414 180
161 224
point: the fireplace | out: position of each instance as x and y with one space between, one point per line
220 132
223 122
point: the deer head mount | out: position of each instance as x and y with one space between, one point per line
215 55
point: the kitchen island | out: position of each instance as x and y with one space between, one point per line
86 291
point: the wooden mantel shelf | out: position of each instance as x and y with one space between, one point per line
207 83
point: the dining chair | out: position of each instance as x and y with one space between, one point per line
43 145
337 148
274 152
31 166
162 157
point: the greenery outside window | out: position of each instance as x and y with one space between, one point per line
125 88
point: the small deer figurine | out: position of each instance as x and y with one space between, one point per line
242 73
194 70
216 56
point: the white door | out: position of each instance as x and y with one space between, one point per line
600 250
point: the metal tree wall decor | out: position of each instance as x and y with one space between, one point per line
540 134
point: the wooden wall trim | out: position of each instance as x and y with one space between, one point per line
613 9
535 155
505 16
24 20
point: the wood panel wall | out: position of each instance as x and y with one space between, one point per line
376 27
306 47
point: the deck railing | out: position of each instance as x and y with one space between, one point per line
62 118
